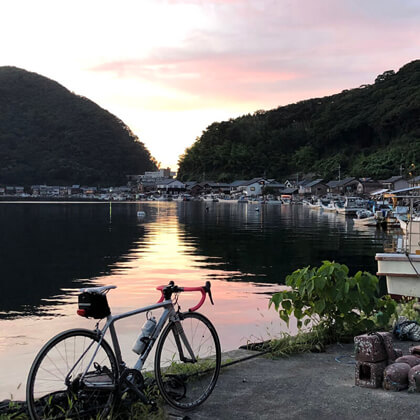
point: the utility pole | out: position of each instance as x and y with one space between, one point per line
401 169
339 172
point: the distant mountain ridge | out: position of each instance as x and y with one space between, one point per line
50 135
373 130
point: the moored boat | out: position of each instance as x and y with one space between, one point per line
365 218
402 273
328 205
350 205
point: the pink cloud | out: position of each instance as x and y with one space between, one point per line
264 51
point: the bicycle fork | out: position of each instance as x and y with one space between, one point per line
178 332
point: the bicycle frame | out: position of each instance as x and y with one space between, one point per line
168 313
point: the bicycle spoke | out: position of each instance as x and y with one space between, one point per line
185 383
49 395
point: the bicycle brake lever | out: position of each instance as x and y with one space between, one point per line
211 299
208 290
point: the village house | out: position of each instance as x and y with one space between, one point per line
315 187
210 187
290 191
346 186
367 185
170 186
414 182
274 186
395 183
251 188
193 188
237 186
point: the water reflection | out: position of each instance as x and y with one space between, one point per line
265 243
49 250
44 248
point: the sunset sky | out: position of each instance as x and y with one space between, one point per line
169 68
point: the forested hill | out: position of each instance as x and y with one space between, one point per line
50 135
368 131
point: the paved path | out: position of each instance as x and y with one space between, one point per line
309 386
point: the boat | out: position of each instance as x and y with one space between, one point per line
209 198
412 225
350 205
365 218
402 268
226 199
286 199
328 205
315 205
402 273
242 200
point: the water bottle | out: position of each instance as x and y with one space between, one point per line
146 332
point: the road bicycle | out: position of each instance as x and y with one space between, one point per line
77 374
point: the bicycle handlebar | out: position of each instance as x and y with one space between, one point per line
171 288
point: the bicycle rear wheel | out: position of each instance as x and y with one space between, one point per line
55 387
186 376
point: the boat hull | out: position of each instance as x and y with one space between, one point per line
367 221
402 273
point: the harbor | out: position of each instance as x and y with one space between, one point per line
246 254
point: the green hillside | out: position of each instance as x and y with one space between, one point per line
369 131
50 135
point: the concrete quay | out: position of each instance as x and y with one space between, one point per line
308 386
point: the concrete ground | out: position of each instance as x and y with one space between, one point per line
308 386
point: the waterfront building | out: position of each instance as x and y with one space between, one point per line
367 185
395 183
346 186
316 187
170 186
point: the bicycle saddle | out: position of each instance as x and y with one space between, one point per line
101 289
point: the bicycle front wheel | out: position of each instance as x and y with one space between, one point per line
187 361
73 376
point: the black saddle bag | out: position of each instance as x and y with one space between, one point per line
93 305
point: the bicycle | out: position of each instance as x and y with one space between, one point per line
78 374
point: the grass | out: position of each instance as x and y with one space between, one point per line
303 342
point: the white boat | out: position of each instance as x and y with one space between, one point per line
402 273
365 218
208 198
242 200
315 205
412 226
350 205
328 206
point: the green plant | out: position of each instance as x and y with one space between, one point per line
406 308
327 298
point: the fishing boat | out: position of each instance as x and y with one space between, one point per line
402 273
365 218
412 225
350 205
328 205
286 199
402 268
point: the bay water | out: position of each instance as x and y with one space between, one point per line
48 251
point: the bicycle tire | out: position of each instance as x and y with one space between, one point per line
187 384
47 393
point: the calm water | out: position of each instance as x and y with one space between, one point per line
49 251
